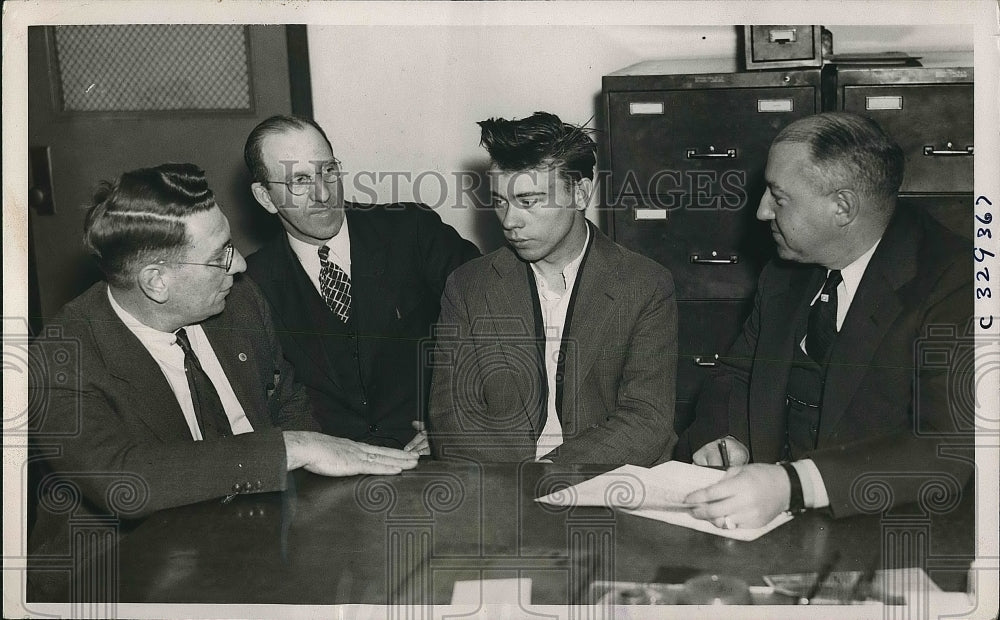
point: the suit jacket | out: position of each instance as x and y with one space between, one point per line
365 378
117 441
618 391
888 411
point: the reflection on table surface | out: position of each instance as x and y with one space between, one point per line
407 539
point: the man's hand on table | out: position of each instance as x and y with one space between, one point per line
335 456
420 444
747 496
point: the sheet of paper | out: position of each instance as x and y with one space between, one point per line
492 592
628 486
654 493
686 520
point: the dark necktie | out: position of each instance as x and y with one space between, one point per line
208 407
823 320
335 285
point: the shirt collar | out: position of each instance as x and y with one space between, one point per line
147 335
571 269
339 244
853 273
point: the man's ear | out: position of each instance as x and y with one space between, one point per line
582 192
263 197
154 282
848 206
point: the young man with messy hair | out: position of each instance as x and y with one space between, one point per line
562 345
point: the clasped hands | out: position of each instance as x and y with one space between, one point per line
749 495
335 456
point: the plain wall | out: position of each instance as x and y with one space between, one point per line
404 100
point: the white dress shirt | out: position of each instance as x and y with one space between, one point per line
308 254
814 492
554 305
163 347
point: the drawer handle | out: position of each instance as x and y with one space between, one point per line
949 151
711 154
715 259
707 362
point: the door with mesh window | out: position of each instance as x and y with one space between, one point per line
109 98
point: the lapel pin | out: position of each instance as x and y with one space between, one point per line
242 356
824 298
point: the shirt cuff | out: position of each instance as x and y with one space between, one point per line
813 489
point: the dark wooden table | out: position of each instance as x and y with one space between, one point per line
406 540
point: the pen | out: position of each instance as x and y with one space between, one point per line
271 387
725 454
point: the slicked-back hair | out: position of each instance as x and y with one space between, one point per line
253 150
139 218
541 140
850 150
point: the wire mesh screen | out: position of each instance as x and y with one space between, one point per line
153 67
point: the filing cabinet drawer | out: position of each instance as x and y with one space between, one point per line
692 144
929 112
705 329
712 253
782 46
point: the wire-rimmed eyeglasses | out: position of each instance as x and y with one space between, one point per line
227 259
301 183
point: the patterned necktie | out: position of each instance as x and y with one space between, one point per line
335 285
208 409
823 320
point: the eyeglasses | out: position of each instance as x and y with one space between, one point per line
227 260
301 183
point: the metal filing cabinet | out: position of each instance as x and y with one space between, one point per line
687 156
929 112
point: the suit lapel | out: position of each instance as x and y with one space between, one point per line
128 360
300 309
874 308
229 345
785 307
508 301
597 288
369 288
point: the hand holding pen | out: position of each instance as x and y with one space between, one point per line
722 453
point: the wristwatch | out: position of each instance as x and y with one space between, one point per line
796 503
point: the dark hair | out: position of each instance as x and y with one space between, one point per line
253 153
140 217
850 149
540 140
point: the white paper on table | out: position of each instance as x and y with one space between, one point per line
492 592
655 493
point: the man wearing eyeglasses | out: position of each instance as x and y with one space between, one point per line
354 288
166 385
